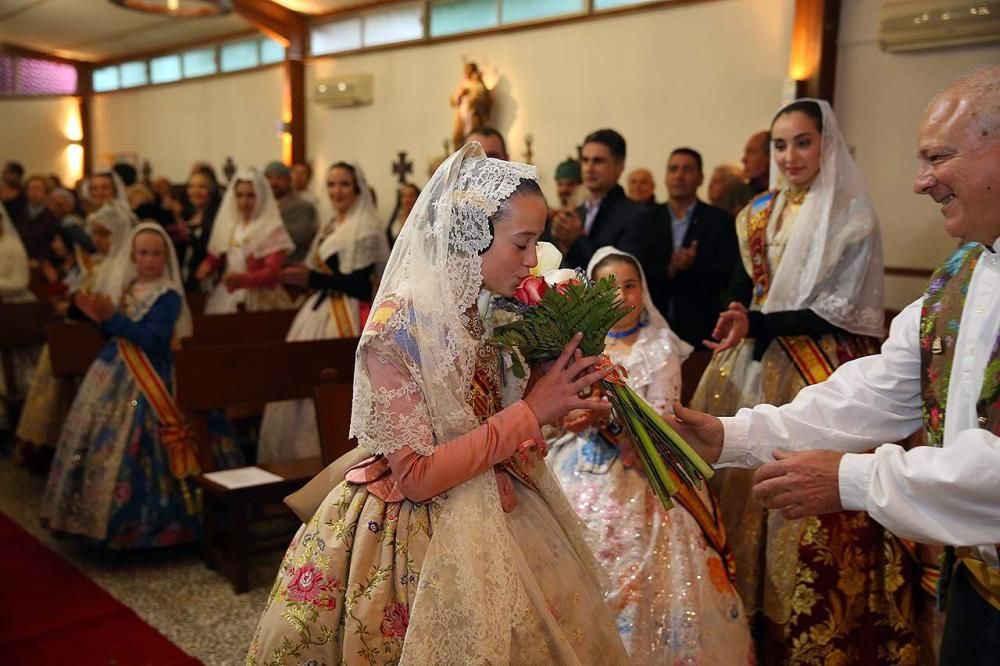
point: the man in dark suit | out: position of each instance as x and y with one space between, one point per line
694 254
607 217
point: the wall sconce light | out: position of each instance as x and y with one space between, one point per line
76 142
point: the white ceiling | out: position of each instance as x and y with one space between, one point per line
98 30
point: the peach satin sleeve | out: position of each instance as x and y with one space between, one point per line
419 478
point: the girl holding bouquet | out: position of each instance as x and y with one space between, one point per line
670 570
114 480
453 543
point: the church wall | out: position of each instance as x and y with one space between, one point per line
37 133
879 101
706 75
175 125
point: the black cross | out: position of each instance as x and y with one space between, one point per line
579 153
402 166
229 169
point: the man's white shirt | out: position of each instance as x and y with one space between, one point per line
948 495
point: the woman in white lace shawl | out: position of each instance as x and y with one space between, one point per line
341 267
452 544
810 299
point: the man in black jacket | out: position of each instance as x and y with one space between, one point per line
607 217
694 253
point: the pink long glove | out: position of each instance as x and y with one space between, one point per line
419 478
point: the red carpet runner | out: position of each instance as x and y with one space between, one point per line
50 613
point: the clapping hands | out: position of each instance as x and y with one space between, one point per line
96 306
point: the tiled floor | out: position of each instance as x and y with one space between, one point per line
170 589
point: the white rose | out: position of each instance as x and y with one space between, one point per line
559 276
549 258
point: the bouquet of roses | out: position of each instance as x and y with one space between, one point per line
551 307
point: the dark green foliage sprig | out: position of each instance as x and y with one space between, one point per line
543 332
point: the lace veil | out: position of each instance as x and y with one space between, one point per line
415 362
119 272
359 239
267 233
832 263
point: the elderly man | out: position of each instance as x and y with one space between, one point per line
939 369
641 187
298 214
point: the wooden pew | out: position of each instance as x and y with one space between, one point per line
332 399
74 345
214 378
21 325
239 328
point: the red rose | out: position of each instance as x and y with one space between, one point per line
563 286
531 290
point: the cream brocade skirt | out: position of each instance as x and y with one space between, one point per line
349 579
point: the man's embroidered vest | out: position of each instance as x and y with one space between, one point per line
939 321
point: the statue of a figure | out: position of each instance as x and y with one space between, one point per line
472 104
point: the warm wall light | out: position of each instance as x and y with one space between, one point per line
807 36
73 131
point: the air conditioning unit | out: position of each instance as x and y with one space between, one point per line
344 91
909 25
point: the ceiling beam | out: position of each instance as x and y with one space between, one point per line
291 30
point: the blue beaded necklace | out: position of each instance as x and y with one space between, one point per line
618 335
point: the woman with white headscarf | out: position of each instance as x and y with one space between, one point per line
453 543
249 245
120 473
49 398
340 266
810 299
15 276
670 572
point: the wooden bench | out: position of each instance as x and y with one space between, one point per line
73 345
214 378
239 328
21 325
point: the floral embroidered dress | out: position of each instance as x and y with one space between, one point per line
833 584
346 587
670 585
111 481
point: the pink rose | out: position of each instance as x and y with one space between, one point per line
531 290
395 621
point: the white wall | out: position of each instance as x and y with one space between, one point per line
177 124
36 132
879 101
705 75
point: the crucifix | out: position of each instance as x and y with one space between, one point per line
402 167
229 169
528 154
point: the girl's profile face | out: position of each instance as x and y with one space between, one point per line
512 255
149 254
629 290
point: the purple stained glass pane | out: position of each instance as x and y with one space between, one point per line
8 84
43 77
